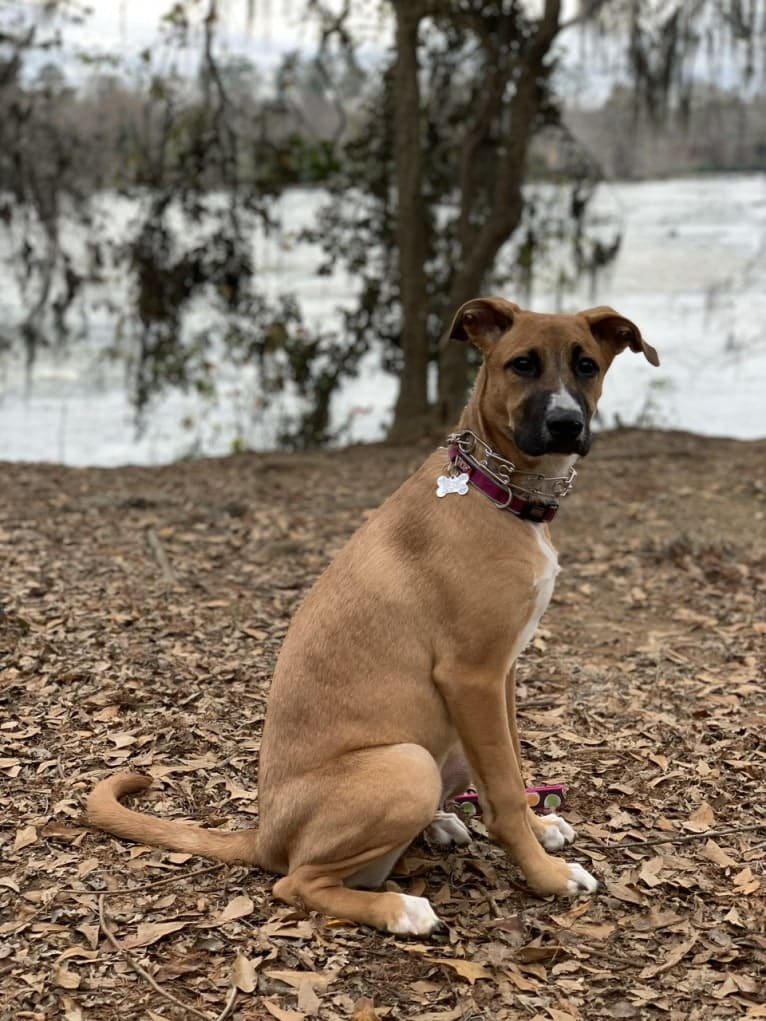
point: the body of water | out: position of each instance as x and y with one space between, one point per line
691 273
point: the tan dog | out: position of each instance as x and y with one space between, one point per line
399 665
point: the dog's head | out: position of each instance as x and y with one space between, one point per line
542 374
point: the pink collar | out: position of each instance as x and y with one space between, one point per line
496 485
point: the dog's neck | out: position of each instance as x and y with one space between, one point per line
549 468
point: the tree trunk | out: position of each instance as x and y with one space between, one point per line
411 413
479 247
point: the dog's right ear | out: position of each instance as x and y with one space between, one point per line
482 321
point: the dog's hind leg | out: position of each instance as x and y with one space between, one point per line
314 888
366 807
447 828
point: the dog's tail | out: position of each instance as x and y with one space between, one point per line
105 812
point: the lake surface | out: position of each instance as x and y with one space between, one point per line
691 273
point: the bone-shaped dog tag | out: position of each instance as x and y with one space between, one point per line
452 484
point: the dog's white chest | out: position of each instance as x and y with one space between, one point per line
545 581
547 577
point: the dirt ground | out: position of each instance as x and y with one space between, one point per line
141 611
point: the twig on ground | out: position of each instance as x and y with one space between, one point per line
616 960
680 838
230 1000
160 556
146 886
138 968
494 910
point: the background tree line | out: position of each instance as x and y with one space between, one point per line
721 131
450 166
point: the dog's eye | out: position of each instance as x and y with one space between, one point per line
586 367
524 365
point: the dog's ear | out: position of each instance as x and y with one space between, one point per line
617 331
482 321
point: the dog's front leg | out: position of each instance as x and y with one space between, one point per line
476 701
551 830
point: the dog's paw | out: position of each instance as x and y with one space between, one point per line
553 832
417 918
580 881
447 829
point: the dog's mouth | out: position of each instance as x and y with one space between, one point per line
539 442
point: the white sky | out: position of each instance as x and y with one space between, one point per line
278 26
125 27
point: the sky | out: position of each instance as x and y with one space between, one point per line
126 27
278 26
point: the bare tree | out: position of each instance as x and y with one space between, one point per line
425 161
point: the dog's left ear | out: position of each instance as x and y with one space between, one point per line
482 321
617 331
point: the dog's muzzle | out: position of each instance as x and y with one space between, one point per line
565 432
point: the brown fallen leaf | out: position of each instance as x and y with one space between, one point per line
185 963
733 918
87 866
65 978
24 838
150 932
625 893
472 971
701 819
296 979
713 852
744 878
72 1011
671 960
594 930
82 952
734 983
727 987
568 919
536 953
364 1010
290 930
747 984
624 1009
91 934
655 918
243 974
650 870
121 740
522 983
282 1013
238 907
60 831
308 1001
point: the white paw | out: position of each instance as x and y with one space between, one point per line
446 829
580 881
418 918
557 832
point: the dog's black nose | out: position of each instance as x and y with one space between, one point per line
565 425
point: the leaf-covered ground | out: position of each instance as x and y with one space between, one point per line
142 610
